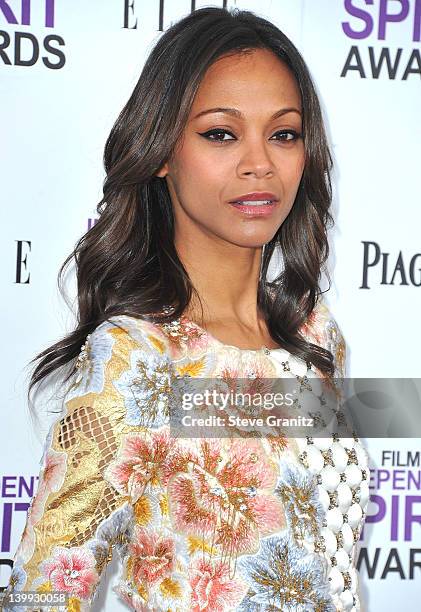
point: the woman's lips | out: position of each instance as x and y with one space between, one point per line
256 209
254 196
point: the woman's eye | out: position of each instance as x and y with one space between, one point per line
287 135
215 133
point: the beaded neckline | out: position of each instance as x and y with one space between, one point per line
264 349
177 325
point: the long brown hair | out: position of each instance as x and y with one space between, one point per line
127 262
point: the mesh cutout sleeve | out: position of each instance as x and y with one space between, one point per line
67 542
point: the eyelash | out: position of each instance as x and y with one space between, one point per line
296 135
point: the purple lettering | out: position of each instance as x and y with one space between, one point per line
381 513
7 522
409 516
417 22
414 480
382 476
7 12
26 12
360 14
49 13
25 488
7 527
385 17
6 485
399 476
394 523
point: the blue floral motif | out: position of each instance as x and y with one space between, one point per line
285 577
116 529
145 388
94 355
299 493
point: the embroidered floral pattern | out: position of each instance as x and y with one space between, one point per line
146 388
212 587
51 478
283 576
142 463
70 571
298 491
91 361
225 496
217 524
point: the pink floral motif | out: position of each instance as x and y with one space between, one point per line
143 460
182 338
227 495
212 589
131 598
153 556
51 479
252 362
72 570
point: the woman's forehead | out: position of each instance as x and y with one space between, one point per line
257 79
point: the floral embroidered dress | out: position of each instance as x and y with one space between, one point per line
212 524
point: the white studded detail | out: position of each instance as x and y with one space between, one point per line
337 580
323 443
353 579
339 466
344 497
347 537
329 540
354 515
339 456
364 493
346 599
323 497
334 519
348 442
342 560
315 459
353 475
330 478
361 455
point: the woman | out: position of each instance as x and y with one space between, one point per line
218 158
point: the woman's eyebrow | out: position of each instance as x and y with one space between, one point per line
236 113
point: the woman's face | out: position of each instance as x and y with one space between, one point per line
254 145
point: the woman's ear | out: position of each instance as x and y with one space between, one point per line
163 171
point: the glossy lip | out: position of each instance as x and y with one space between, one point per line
253 196
263 210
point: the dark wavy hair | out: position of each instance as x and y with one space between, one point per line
127 262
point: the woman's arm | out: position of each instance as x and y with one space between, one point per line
77 517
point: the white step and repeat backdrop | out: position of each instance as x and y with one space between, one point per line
67 68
